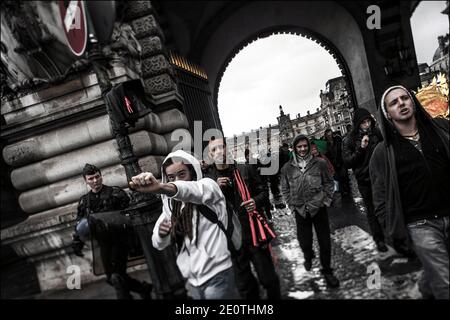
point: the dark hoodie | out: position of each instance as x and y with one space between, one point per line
353 155
395 202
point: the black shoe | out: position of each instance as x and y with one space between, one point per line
307 264
118 282
146 291
381 246
331 280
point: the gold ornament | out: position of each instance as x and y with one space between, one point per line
434 97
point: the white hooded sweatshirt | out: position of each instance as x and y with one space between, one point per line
198 263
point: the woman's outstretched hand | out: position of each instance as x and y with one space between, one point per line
145 182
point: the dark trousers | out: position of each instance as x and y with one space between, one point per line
245 280
374 224
114 251
343 179
275 186
305 236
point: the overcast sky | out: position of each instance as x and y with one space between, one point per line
289 70
427 23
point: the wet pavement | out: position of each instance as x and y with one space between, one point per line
363 272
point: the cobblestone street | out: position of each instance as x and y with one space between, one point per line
354 257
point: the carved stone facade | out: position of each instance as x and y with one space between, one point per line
157 73
52 127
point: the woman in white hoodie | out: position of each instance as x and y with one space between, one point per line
203 258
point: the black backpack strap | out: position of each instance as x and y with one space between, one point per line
211 216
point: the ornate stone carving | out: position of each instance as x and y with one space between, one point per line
155 65
156 70
150 46
147 26
159 84
137 9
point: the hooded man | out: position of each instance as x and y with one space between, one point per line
358 148
203 258
409 173
308 189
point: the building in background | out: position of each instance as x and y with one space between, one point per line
335 112
440 62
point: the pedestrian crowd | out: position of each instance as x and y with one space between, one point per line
218 212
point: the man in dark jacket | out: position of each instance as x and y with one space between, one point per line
409 173
358 147
334 154
221 170
114 245
308 189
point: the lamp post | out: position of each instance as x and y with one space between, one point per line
144 209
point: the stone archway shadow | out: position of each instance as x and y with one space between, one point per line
328 23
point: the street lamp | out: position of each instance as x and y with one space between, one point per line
125 103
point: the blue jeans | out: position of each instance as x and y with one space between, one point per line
430 238
221 286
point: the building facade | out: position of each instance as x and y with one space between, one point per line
335 112
441 61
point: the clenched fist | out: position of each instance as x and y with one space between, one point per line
164 228
145 182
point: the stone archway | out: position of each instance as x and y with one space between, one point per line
342 38
295 31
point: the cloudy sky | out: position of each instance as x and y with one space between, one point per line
427 23
289 70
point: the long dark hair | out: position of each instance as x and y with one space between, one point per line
181 218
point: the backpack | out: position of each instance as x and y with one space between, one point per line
233 231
